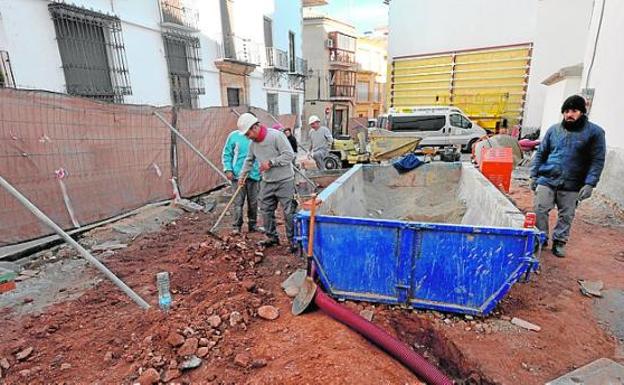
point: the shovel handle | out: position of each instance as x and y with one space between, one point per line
227 206
311 268
311 227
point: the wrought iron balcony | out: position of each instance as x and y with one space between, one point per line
175 14
276 59
339 57
341 49
341 91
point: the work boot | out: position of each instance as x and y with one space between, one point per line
253 229
294 248
269 242
558 249
236 231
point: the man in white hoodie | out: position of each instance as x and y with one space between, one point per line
275 155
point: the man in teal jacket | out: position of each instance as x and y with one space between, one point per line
234 154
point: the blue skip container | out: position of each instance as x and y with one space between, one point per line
440 237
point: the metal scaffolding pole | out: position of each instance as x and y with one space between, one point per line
91 259
195 150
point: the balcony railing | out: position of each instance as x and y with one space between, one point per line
277 59
340 57
240 49
173 13
340 91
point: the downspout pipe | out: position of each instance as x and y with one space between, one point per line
399 350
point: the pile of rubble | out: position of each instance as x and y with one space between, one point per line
218 292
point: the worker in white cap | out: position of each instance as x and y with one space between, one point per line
233 157
275 155
321 141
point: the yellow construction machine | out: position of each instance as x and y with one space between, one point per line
371 146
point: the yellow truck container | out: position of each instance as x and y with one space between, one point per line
488 84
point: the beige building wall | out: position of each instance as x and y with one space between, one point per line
372 60
318 98
369 95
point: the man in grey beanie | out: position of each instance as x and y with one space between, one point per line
566 168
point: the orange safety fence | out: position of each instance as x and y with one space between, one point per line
208 130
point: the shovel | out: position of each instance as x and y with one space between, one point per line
227 207
307 291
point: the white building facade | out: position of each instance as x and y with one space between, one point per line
473 54
162 52
602 80
574 51
371 58
559 45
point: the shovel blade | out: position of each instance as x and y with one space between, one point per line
305 296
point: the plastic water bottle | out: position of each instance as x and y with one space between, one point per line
164 296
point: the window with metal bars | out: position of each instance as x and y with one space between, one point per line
272 104
233 97
92 52
342 84
6 73
184 62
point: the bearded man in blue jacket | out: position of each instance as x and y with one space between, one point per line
566 169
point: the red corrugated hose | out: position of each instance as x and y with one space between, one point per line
399 350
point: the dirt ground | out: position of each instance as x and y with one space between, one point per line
218 287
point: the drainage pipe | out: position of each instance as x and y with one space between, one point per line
372 332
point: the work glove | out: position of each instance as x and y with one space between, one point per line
533 184
586 192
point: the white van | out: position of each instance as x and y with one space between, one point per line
437 125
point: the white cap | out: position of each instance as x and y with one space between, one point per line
245 121
313 119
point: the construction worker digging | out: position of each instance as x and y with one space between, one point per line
566 168
274 154
234 154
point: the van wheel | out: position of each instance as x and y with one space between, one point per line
468 148
332 162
